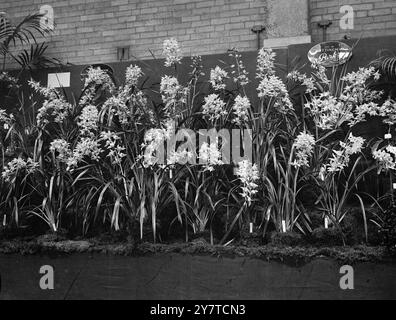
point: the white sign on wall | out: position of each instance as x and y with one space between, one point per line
47 21
59 80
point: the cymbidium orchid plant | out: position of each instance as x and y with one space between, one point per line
337 105
110 158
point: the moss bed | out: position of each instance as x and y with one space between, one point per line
291 255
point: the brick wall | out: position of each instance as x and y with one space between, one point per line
89 31
372 18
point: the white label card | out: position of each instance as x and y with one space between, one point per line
59 80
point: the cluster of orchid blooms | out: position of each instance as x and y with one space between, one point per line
355 103
329 112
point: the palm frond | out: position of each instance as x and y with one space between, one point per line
389 67
386 64
5 28
25 30
34 58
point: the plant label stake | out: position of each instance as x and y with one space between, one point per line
170 174
326 221
394 186
251 227
330 54
4 220
283 226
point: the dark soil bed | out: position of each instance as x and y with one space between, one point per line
291 255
